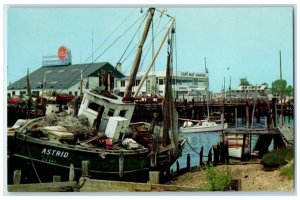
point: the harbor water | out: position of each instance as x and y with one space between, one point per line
207 139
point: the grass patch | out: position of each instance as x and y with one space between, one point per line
288 170
217 180
278 157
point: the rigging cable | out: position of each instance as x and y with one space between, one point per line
83 70
117 39
176 85
110 35
131 40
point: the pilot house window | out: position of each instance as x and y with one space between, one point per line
122 113
111 112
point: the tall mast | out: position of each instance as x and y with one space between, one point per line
153 59
81 85
207 98
169 111
138 56
29 87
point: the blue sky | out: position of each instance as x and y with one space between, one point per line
237 42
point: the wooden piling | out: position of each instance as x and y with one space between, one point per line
154 177
71 173
216 150
243 147
209 156
177 167
201 157
236 121
236 185
247 116
85 168
17 177
188 162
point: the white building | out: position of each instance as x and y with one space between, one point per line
185 84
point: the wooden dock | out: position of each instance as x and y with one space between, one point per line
287 134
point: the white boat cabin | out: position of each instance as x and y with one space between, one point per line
116 116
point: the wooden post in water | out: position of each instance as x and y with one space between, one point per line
266 122
209 156
247 116
243 148
188 162
227 152
85 168
17 177
216 149
236 122
201 157
177 167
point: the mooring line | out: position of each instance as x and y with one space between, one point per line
192 148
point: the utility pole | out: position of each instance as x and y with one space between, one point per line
281 88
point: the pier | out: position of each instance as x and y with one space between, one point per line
232 109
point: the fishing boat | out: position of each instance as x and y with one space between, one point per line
102 135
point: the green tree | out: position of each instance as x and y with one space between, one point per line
244 82
289 90
278 86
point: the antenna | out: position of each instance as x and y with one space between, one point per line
92 46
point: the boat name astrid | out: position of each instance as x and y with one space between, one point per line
54 152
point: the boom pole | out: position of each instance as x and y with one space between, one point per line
137 60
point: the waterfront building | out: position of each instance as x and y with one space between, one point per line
64 79
186 85
57 74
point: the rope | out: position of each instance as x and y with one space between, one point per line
192 148
32 162
80 186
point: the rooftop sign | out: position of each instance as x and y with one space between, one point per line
62 53
63 57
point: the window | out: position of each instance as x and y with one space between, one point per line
8 95
36 93
70 92
111 112
123 83
13 93
122 113
137 82
22 93
156 80
161 81
76 94
93 106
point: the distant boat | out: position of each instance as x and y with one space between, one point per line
235 146
202 126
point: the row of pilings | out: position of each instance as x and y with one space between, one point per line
245 109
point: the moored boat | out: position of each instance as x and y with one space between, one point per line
202 126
